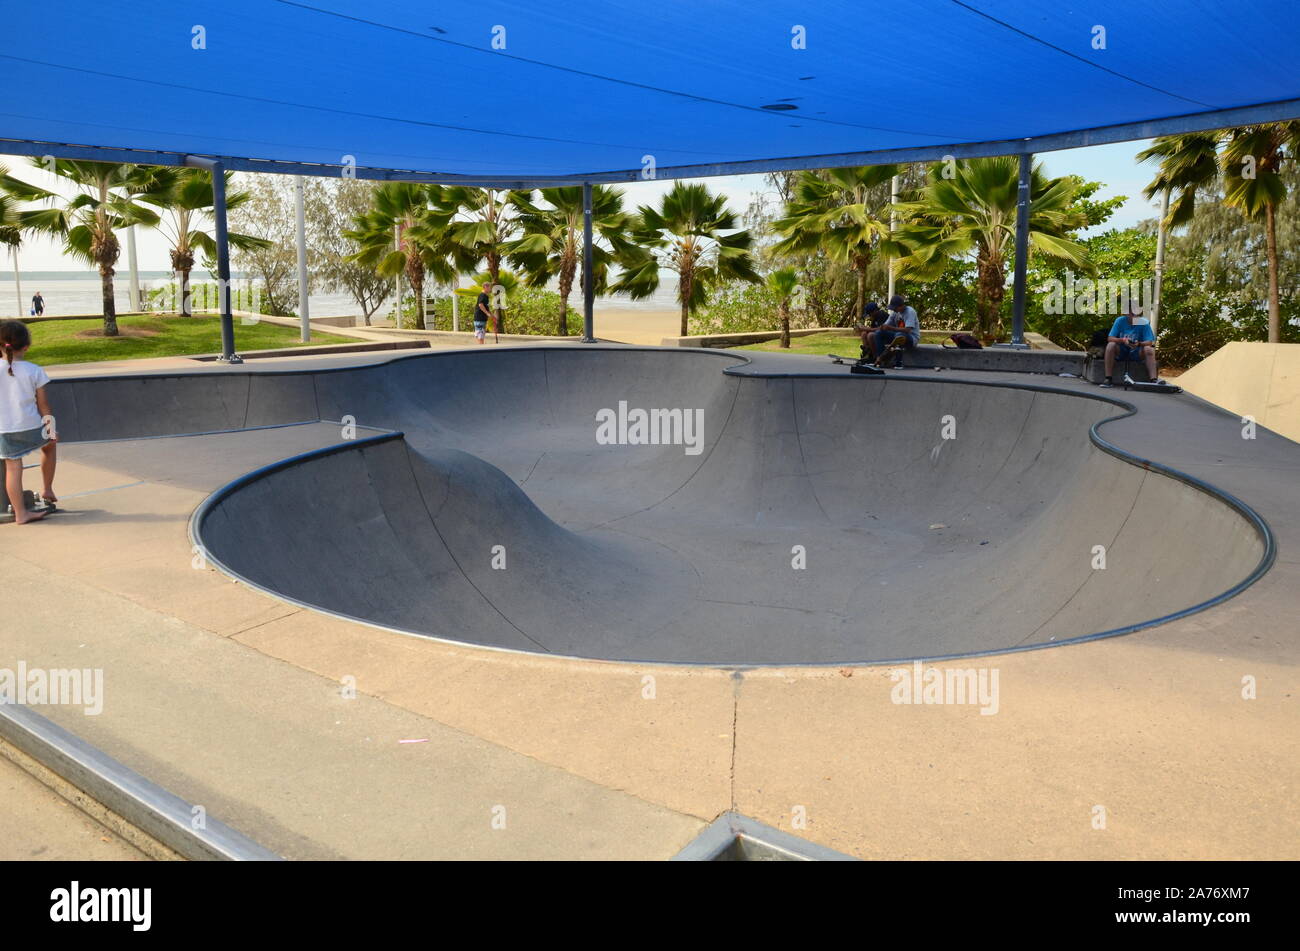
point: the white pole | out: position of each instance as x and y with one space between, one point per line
455 303
18 284
1160 259
893 220
135 271
304 317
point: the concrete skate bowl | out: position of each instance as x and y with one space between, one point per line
822 521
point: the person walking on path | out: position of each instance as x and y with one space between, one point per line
26 423
38 304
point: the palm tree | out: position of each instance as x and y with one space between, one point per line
551 243
185 194
482 227
1249 158
783 283
404 208
843 212
974 213
86 222
688 225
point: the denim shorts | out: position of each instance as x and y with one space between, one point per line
17 445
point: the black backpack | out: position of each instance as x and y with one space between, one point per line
964 342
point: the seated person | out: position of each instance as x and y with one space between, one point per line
1131 338
872 317
900 322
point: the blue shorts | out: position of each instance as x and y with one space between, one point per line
1125 352
17 445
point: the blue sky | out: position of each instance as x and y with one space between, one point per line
1112 164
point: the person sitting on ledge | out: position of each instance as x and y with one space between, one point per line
900 322
1131 338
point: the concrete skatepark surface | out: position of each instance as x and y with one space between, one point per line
913 545
229 697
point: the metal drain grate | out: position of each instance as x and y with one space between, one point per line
735 838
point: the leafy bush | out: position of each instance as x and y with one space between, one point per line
203 297
737 309
528 310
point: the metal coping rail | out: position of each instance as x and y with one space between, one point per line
142 803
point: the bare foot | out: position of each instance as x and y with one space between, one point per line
31 517
49 497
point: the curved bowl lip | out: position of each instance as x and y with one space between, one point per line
1261 527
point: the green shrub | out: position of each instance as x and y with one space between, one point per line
736 309
529 310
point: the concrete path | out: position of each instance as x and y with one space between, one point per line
37 824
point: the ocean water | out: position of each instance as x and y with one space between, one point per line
78 292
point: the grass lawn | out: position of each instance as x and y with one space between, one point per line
818 344
82 341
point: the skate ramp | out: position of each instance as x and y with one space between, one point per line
823 520
1261 380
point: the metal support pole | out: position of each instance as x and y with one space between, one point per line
304 316
1022 251
228 354
135 270
893 221
1160 260
588 281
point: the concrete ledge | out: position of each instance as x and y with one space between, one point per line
1003 359
466 338
1094 369
324 348
740 340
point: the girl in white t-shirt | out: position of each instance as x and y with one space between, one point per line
25 420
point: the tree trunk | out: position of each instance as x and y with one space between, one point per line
785 323
186 307
567 270
861 297
1274 315
417 288
990 283
110 306
684 295
494 272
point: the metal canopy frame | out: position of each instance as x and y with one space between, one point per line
1053 142
1025 148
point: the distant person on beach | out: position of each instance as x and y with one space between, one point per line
1131 338
38 304
24 413
901 321
483 312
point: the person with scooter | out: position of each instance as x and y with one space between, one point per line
1131 338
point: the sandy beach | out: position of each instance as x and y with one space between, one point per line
646 327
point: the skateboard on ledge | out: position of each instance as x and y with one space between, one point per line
856 364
